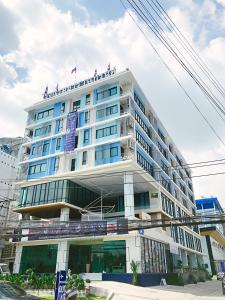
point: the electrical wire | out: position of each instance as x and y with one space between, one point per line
174 76
156 30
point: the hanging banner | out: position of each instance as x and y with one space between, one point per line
71 131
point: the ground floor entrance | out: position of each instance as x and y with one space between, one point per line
108 257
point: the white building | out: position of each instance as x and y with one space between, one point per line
99 146
8 195
213 239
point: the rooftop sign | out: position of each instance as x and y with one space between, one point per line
79 84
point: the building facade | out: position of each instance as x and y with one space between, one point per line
9 171
97 151
213 239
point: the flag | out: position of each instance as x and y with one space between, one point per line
74 70
108 69
46 90
57 88
95 72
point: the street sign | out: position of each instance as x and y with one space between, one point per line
60 285
141 231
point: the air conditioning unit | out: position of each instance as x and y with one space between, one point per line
174 163
131 144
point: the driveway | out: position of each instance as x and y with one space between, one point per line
210 290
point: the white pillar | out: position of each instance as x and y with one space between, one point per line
63 246
62 256
128 195
65 214
133 252
16 266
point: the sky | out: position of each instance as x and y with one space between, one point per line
41 41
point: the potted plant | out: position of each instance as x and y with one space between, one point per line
134 268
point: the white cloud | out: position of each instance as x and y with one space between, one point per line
50 43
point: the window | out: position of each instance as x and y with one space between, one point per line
59 126
111 110
58 144
107 93
86 117
164 167
86 136
182 187
142 124
37 168
42 131
111 130
139 103
162 150
113 151
73 164
37 132
161 135
145 164
84 158
44 114
100 113
76 105
165 184
33 151
46 147
56 164
88 99
144 144
63 107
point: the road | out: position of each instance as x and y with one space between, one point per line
210 290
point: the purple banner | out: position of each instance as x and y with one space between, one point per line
71 131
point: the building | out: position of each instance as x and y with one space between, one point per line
9 171
97 151
213 239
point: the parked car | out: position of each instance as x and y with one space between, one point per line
10 291
4 269
220 275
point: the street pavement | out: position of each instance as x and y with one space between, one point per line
211 290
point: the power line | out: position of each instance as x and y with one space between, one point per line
174 76
156 29
162 11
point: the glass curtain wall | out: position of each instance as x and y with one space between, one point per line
41 259
109 257
56 191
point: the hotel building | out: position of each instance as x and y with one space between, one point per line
97 151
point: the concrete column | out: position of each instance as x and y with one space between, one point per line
16 266
128 195
62 256
65 214
133 252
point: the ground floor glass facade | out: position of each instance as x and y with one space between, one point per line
41 259
108 257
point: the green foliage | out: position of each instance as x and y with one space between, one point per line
75 282
174 279
179 264
134 268
31 280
